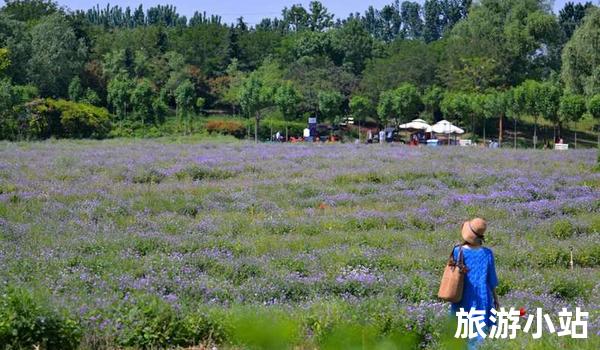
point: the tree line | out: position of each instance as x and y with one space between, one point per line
110 71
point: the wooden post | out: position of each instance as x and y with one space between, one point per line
571 261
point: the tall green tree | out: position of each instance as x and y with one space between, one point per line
500 44
119 96
537 99
56 55
385 107
581 57
361 108
184 101
594 110
204 45
571 16
571 109
456 107
29 10
433 20
407 102
353 45
330 104
496 104
254 97
295 18
411 18
287 100
231 92
432 98
15 38
142 97
4 60
76 91
319 18
406 62
401 104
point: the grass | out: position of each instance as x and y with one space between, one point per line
179 241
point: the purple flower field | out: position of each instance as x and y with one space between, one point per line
118 234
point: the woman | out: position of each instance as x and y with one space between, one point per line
479 291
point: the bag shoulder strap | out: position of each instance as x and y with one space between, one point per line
460 262
451 257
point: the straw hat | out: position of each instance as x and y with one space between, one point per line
473 231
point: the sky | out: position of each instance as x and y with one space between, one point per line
252 11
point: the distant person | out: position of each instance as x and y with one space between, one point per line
414 140
278 136
381 136
306 135
369 136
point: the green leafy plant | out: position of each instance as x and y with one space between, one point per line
27 322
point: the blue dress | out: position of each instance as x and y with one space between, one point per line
480 281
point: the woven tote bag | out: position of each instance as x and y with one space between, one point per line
453 280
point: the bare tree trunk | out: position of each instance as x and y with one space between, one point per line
256 121
515 134
535 134
500 130
483 131
472 126
286 131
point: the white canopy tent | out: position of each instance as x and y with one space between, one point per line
417 124
445 127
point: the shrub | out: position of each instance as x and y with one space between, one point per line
148 322
588 256
200 327
562 229
357 336
416 290
258 329
148 176
196 173
569 289
145 246
226 127
25 323
49 117
504 286
81 120
551 256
